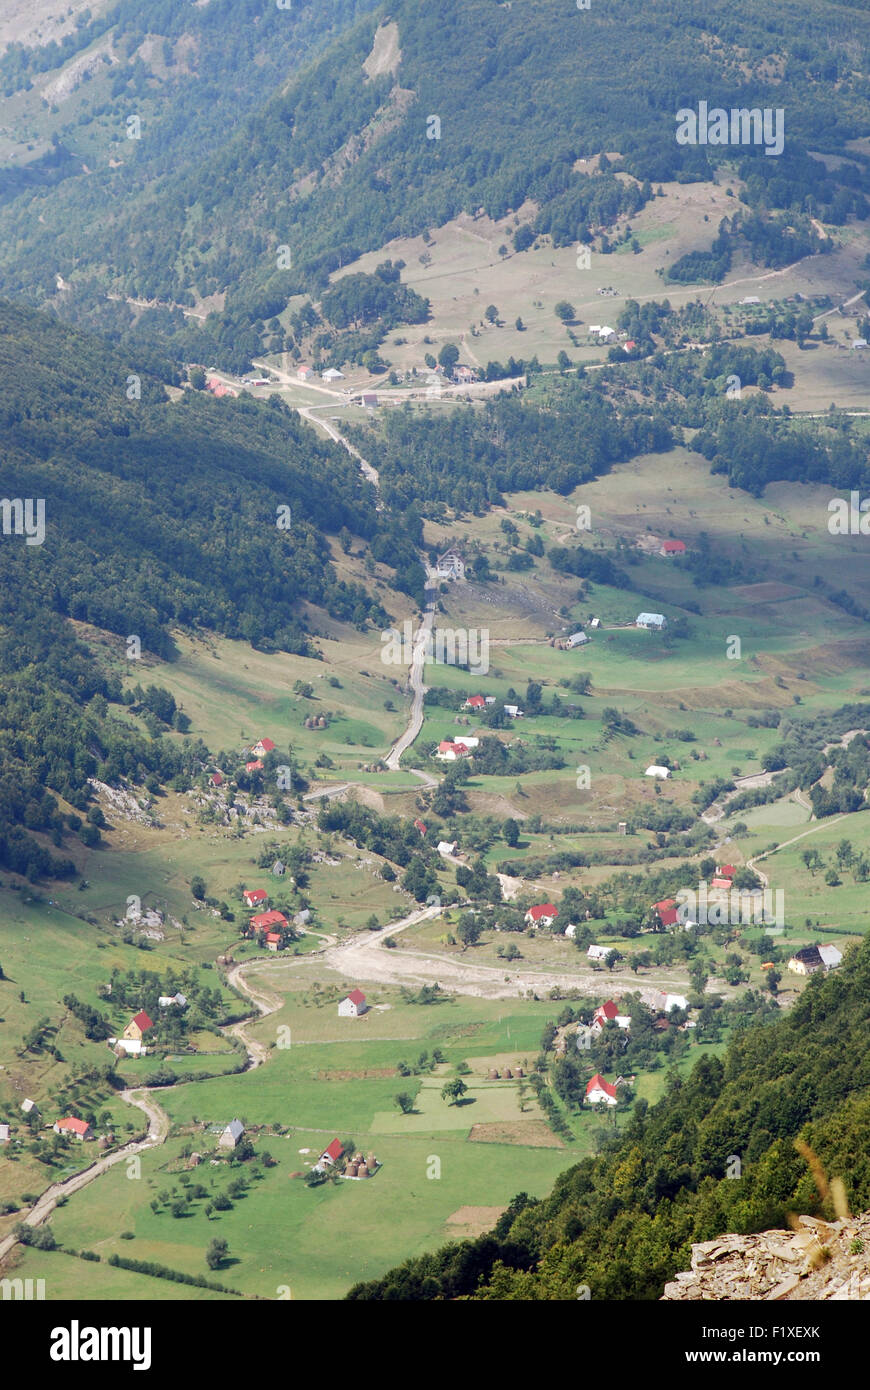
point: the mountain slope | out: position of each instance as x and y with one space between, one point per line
342 161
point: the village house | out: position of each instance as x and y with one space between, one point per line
254 896
332 374
127 1047
667 912
279 868
599 1091
576 639
331 1154
447 847
513 711
353 1005
255 766
420 825
138 1026
831 957
673 548
303 372
449 751
79 1129
268 921
219 388
450 565
609 1013
463 374
475 702
654 770
217 779
654 622
231 1135
262 747
598 952
811 958
369 399
465 741
166 1001
273 940
28 1106
4 1134
665 1003
543 915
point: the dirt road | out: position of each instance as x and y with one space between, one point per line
415 681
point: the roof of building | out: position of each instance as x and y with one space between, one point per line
609 1009
273 937
726 870
254 766
420 825
674 547
272 918
669 916
142 1021
476 701
720 882
333 1150
599 1084
235 1128
543 910
650 618
73 1125
357 997
266 743
255 895
830 955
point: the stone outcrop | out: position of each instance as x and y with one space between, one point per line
818 1260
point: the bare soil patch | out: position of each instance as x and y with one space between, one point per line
535 1134
473 1221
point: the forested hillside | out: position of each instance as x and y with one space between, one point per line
623 1223
341 160
156 514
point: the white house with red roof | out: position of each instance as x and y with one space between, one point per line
217 779
256 765
448 751
543 915
262 747
254 896
726 871
475 702
421 826
673 548
667 912
609 1013
330 1155
723 883
599 1091
352 1005
79 1129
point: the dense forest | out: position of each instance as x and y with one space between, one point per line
623 1223
339 161
470 458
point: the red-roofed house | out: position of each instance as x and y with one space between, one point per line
255 766
254 896
629 345
544 915
217 779
664 905
80 1128
727 871
475 702
673 548
262 747
332 1153
138 1026
600 1092
273 940
448 751
264 921
219 388
669 917
352 1005
421 826
721 883
605 1012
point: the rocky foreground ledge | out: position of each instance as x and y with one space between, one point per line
818 1260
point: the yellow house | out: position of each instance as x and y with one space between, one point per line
138 1026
